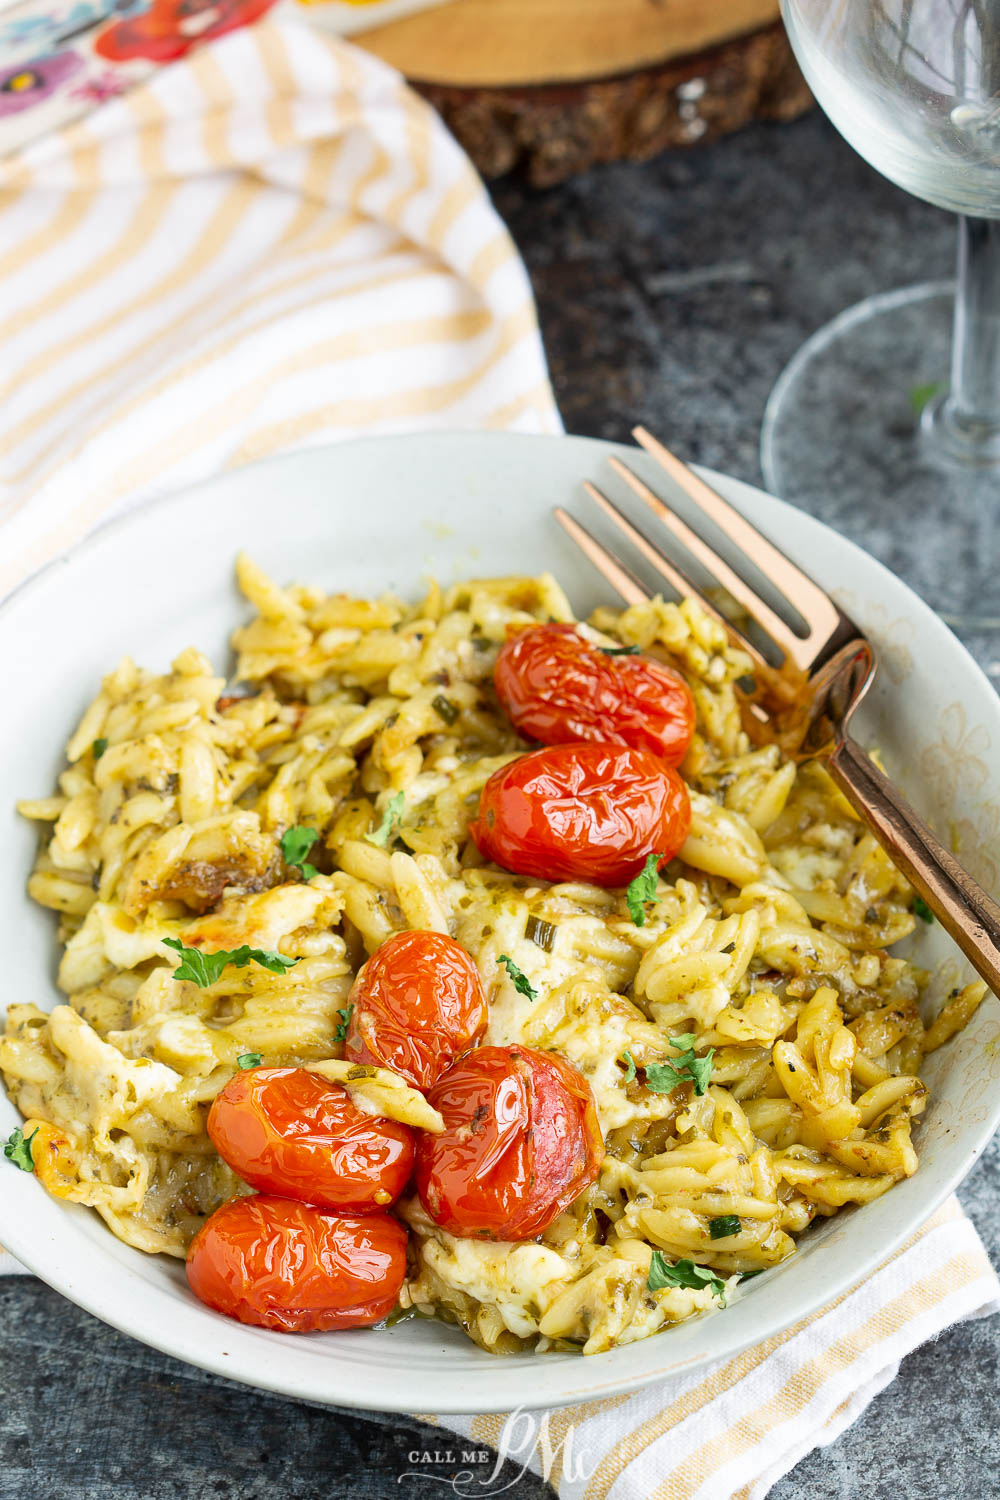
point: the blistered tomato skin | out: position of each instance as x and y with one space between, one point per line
582 812
290 1132
418 1005
285 1265
521 1142
556 687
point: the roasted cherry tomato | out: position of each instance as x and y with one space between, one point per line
288 1131
282 1264
556 687
582 812
418 1004
521 1141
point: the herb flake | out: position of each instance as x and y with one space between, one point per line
391 819
542 934
521 981
445 709
684 1273
643 889
622 650
249 1060
204 969
921 394
630 1070
922 910
340 1035
663 1078
18 1149
98 747
724 1226
295 845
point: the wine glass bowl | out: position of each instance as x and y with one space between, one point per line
913 86
866 412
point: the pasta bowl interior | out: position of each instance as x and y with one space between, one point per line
386 515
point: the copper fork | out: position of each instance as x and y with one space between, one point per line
828 668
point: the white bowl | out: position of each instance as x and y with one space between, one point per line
387 512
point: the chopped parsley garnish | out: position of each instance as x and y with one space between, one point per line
295 845
522 983
391 819
18 1150
621 650
724 1226
922 910
340 1035
249 1060
630 1070
542 934
683 1273
642 889
204 969
663 1078
99 747
445 709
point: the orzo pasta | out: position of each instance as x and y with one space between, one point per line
375 723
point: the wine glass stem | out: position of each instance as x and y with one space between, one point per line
968 419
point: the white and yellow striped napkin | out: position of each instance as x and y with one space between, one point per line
275 244
270 245
731 1430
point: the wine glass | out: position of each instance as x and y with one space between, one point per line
864 426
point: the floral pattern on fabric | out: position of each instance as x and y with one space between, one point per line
170 28
26 84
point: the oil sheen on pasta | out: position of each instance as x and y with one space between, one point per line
770 941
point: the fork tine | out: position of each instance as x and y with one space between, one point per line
790 643
676 577
606 562
811 602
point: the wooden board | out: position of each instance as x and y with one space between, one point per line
549 133
552 87
497 43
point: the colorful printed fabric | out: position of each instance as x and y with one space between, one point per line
60 58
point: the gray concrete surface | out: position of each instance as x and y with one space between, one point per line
672 294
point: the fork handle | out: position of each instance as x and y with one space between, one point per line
962 907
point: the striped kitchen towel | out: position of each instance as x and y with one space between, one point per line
270 245
731 1430
274 244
